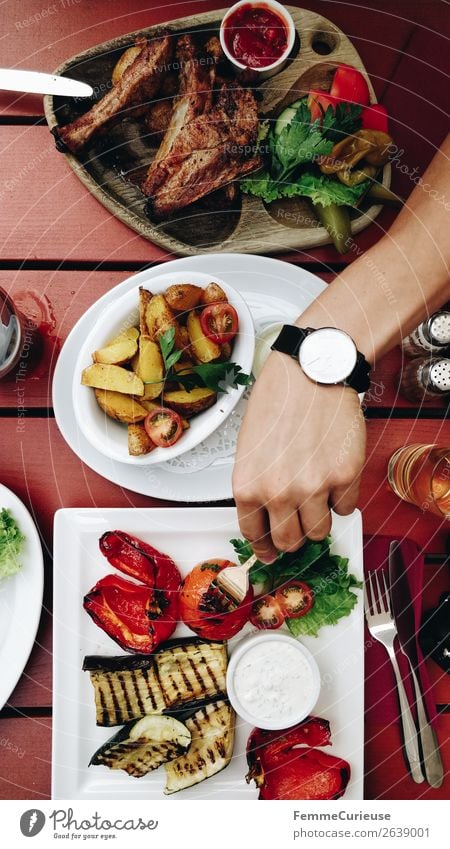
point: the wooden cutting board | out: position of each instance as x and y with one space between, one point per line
248 226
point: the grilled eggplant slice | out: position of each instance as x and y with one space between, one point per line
142 746
191 670
125 688
181 672
211 749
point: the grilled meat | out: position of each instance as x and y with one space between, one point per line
211 150
182 672
139 82
211 749
142 746
195 98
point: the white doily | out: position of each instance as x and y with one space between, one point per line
219 448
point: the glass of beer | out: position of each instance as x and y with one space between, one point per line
420 474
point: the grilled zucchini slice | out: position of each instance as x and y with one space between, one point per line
181 672
211 749
125 688
143 746
191 670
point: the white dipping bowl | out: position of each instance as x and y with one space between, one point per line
109 437
254 676
280 63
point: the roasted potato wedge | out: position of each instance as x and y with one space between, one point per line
144 299
149 366
159 317
183 296
119 350
115 378
127 58
212 293
122 408
153 405
204 349
190 403
139 442
225 351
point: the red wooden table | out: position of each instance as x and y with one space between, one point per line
60 250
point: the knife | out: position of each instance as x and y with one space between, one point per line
35 82
404 619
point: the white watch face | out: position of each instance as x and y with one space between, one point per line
328 355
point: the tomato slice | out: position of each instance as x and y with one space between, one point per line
219 322
349 84
318 103
266 613
295 599
163 426
375 118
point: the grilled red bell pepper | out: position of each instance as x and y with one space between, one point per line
284 766
137 616
140 560
375 118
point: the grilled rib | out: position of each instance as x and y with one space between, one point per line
213 149
139 82
195 97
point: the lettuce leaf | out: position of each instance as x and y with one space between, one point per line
327 574
11 539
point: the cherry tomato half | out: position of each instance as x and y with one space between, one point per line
295 599
219 322
163 426
266 613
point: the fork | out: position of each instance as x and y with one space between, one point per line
233 582
383 629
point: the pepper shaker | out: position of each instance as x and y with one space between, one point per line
426 377
430 337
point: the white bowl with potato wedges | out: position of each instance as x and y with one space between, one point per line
163 368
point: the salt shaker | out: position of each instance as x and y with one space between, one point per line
426 377
430 337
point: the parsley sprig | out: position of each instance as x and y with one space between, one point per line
219 377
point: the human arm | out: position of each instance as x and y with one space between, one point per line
301 447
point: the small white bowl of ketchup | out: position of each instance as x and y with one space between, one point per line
258 36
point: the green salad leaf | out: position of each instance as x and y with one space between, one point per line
11 539
292 170
327 574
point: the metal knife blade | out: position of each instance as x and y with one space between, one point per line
403 610
35 82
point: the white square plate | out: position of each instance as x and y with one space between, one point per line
188 535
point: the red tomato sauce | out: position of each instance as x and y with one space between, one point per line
255 35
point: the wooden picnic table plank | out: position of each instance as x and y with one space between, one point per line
55 300
41 36
41 468
25 757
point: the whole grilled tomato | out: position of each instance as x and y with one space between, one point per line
205 609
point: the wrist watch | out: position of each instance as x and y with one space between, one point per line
326 355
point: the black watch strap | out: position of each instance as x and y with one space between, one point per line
290 339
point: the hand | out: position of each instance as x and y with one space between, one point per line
301 449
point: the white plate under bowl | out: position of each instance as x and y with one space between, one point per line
189 535
20 599
109 437
273 290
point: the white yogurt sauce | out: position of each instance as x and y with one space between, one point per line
273 680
